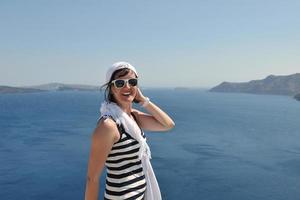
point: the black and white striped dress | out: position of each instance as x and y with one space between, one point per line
125 177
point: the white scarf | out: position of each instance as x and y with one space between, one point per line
131 127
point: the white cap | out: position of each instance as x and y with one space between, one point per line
116 66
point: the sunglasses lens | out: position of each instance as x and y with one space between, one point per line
119 83
133 82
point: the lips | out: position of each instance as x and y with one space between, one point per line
126 94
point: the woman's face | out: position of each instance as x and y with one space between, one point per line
127 93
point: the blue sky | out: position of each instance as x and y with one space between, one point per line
193 43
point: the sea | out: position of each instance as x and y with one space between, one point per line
225 146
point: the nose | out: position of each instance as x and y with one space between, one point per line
127 85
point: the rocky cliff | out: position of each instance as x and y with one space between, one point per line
280 85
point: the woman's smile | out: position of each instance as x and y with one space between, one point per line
126 93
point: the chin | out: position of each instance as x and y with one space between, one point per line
127 99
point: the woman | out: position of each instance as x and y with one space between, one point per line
119 143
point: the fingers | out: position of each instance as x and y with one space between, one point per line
139 95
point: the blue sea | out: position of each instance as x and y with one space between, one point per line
224 146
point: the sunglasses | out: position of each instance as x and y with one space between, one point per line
120 83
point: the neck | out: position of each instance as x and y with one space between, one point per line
126 107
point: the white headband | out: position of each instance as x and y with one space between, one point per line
116 66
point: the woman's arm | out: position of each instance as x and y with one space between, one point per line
103 138
156 120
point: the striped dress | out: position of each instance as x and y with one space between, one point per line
125 178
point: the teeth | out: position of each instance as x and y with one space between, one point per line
128 93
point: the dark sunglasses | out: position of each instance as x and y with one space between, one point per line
119 83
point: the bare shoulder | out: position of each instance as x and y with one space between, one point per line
106 130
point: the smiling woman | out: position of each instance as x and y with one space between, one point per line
119 143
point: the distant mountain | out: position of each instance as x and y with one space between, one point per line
280 85
181 88
8 89
48 87
62 87
297 97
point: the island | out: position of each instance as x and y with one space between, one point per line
278 85
48 87
9 89
181 88
63 87
297 97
